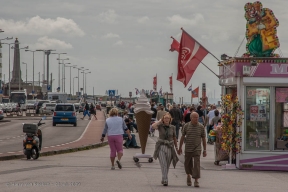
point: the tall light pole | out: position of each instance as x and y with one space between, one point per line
83 71
33 89
59 67
85 91
27 47
64 75
70 76
9 38
79 69
26 70
62 71
73 84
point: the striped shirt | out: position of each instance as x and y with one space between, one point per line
194 134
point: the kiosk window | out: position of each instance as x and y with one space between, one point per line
281 119
257 118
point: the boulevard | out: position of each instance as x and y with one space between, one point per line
11 135
90 171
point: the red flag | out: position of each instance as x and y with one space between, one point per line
195 92
191 53
175 45
155 83
171 84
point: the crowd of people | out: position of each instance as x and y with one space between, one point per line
194 122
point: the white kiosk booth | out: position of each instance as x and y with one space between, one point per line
261 85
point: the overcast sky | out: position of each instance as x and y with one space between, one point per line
124 43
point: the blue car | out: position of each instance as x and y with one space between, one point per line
65 114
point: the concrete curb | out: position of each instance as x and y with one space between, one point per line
57 152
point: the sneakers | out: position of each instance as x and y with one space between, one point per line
189 182
196 184
112 168
119 164
137 147
165 183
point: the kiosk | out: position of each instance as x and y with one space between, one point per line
261 84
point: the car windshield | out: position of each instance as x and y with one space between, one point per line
64 108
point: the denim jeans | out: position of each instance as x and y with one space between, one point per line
130 142
86 112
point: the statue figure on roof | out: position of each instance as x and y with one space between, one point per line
261 33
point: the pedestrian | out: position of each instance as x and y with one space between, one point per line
201 114
115 128
160 112
86 111
164 148
177 117
194 133
92 111
154 115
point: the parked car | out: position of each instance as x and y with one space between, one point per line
98 106
77 106
64 114
81 107
30 104
47 108
39 105
1 115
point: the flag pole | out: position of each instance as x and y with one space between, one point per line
209 69
191 94
208 52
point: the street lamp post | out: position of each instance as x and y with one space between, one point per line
59 67
47 52
33 90
86 81
62 71
79 69
70 76
9 59
26 70
73 84
83 71
27 47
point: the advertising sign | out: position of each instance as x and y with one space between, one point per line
258 113
281 95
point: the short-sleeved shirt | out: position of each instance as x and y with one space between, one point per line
162 133
194 135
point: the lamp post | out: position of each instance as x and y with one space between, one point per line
26 70
81 68
33 89
8 38
64 75
46 52
62 71
59 66
83 71
70 76
27 47
73 84
85 82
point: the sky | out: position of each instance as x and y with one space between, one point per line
125 43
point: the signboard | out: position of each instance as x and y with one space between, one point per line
48 87
281 95
258 113
111 93
130 94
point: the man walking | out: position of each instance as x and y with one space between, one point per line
86 111
177 117
194 133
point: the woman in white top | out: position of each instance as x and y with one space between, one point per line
115 128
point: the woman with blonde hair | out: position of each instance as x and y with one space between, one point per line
164 148
115 128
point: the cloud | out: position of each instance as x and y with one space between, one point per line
39 26
110 35
49 43
108 17
143 19
178 20
118 43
